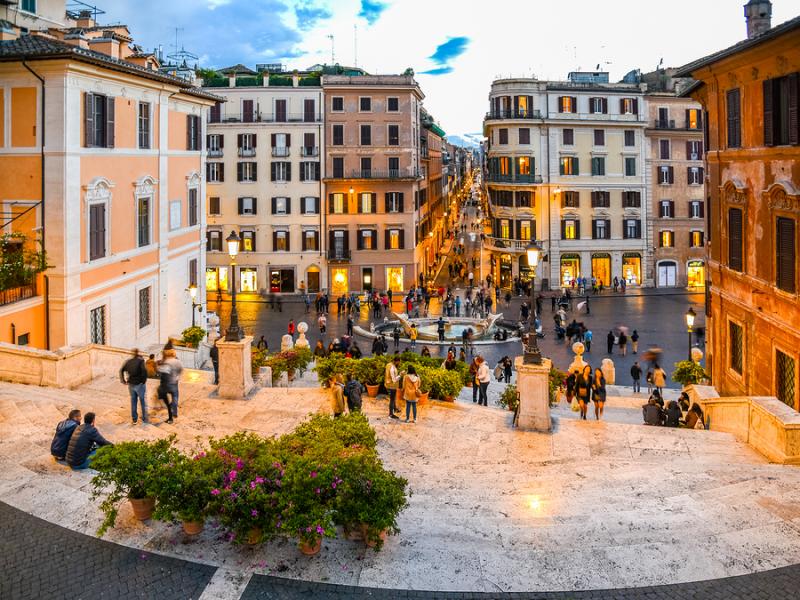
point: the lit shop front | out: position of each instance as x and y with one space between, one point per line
339 281
601 269
394 278
632 268
570 268
216 279
696 273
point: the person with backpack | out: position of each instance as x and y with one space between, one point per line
411 392
353 391
134 374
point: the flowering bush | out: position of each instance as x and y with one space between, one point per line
192 336
288 361
183 491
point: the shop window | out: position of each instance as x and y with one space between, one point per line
632 269
394 278
247 280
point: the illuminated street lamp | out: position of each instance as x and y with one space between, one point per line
690 315
192 289
234 333
532 355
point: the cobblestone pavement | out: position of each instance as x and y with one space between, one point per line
40 561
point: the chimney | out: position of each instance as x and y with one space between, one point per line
85 19
106 44
758 15
8 31
77 39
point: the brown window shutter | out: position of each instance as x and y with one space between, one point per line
303 242
561 104
88 119
360 240
221 172
274 241
402 239
288 241
671 174
222 141
110 122
288 140
188 132
785 254
688 149
273 139
591 105
735 239
622 106
605 105
255 171
387 240
636 106
794 108
400 202
373 203
239 139
347 239
330 239
769 123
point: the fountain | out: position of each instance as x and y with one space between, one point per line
428 328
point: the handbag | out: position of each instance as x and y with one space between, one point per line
575 406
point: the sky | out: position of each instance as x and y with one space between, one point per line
456 47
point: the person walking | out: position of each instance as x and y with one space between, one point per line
484 377
636 375
659 379
583 388
610 339
337 396
412 335
213 354
635 342
172 368
473 374
507 365
587 340
322 323
391 378
396 337
134 374
411 392
598 393
350 324
353 390
290 328
440 328
649 379
623 343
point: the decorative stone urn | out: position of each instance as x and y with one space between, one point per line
286 343
608 370
578 363
302 342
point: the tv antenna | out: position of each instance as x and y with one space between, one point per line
355 45
181 56
333 55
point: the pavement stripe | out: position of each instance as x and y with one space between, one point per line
226 584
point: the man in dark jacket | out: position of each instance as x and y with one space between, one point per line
652 413
134 373
636 375
82 444
64 431
352 393
214 356
674 414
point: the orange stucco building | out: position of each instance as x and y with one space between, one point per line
102 159
751 93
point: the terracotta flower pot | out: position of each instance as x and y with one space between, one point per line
142 507
192 527
291 374
253 536
310 548
371 543
353 533
423 397
449 399
372 390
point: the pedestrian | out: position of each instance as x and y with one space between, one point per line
610 339
425 352
583 386
412 334
353 390
319 350
473 374
411 392
290 328
635 341
636 375
623 343
440 328
134 374
322 323
587 339
213 354
391 378
152 367
507 368
170 370
396 337
659 379
598 393
337 396
83 444
64 431
553 303
262 344
569 385
649 379
484 377
616 284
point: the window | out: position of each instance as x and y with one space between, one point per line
309 171
192 217
631 199
310 205
781 98
174 215
524 165
570 229
338 204
247 206
567 104
568 137
28 6
505 229
392 104
601 229
628 106
281 205
503 198
525 199
248 241
599 137
394 135
666 209
630 137
365 104
785 263
663 149
144 307
193 140
394 202
98 121
215 113
394 166
736 338
215 143
598 105
338 166
601 199
97 325
525 230
667 238
502 136
309 110
97 231
193 271
524 135
280 241
694 118
215 172
570 200
366 166
281 171
280 111
598 165
281 144
144 125
365 203
785 377
337 104
694 150
366 135
214 241
696 209
630 166
695 239
663 119
310 240
213 205
337 135
366 240
733 108
694 175
247 172
735 239
394 239
568 165
666 175
247 144
143 221
632 229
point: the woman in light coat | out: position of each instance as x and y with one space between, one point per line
411 392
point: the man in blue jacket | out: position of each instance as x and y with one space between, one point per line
64 431
83 444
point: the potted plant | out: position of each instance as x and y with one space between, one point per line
426 379
688 372
326 368
370 372
509 398
555 383
192 336
306 511
446 385
130 470
184 490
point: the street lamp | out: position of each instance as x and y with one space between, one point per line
192 289
531 354
690 315
234 332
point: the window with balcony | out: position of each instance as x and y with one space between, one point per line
524 166
785 255
568 165
505 229
504 166
696 239
630 137
694 175
310 144
570 229
281 143
365 104
337 104
696 209
392 104
143 125
667 238
366 166
281 205
337 163
215 143
570 199
599 137
394 166
598 165
733 112
632 229
663 149
248 243
394 135
666 209
630 166
247 205
694 150
568 137
502 136
280 172
337 135
567 104
694 118
524 135
525 230
781 125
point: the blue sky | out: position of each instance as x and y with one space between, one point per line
456 47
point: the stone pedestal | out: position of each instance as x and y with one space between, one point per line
235 368
534 395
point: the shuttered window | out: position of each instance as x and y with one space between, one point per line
785 254
193 139
98 113
733 105
736 340
735 239
97 231
781 119
338 135
785 378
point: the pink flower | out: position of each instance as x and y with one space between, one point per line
232 475
239 464
252 485
308 529
253 513
313 474
259 480
234 496
333 485
318 490
320 530
215 492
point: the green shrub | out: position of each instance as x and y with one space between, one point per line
336 364
184 490
688 372
556 381
192 336
509 398
445 383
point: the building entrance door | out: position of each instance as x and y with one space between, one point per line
667 274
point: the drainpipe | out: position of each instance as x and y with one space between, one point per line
42 202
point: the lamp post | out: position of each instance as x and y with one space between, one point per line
531 354
690 315
234 332
192 289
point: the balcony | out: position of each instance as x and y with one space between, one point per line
507 245
245 152
519 179
672 124
280 151
339 255
259 117
376 174
216 153
15 294
514 114
310 151
665 124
